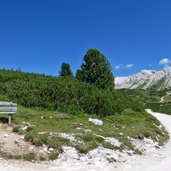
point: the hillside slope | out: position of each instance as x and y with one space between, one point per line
55 112
146 79
153 160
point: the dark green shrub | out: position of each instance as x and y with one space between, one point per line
41 158
53 156
85 148
29 129
57 142
35 138
29 136
29 157
16 129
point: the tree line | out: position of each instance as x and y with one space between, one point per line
95 70
91 91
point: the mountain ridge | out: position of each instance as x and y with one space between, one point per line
145 79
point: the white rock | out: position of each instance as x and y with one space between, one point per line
21 138
113 141
144 145
51 149
45 148
6 135
95 121
69 153
31 148
69 136
87 130
24 128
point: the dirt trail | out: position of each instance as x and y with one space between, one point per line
156 161
159 160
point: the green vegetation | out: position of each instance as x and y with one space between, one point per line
35 138
53 156
29 157
57 142
120 126
160 107
62 94
54 105
66 70
96 70
158 101
10 156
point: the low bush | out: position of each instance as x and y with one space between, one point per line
65 95
16 129
53 156
57 142
29 156
35 138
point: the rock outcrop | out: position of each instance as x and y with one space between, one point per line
146 79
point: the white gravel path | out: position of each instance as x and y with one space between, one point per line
155 161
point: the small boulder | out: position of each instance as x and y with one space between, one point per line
95 121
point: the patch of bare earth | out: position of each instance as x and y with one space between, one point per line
12 145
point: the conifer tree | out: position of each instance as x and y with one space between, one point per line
65 70
95 69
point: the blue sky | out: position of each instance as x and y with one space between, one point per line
38 35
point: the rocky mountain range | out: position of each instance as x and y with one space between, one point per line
146 79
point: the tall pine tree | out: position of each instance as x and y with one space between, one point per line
65 70
95 69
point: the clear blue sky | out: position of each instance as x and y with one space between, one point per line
38 35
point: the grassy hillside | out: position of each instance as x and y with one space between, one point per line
158 101
50 106
46 127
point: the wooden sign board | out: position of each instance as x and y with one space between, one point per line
8 109
7 104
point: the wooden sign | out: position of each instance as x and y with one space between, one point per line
8 109
7 104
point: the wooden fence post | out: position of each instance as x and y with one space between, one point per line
9 118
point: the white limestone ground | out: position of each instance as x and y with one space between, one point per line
159 160
100 158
